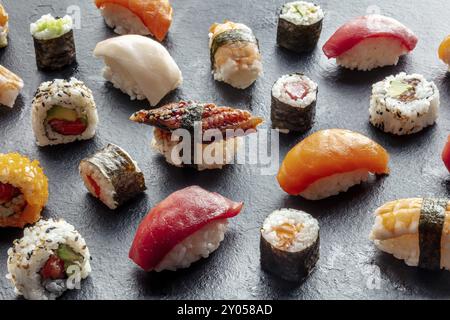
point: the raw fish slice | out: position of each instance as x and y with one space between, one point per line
155 14
10 86
371 26
179 216
327 153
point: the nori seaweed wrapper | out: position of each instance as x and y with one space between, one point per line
230 36
431 224
298 38
54 54
290 266
117 166
285 116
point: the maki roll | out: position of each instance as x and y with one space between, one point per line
235 56
63 111
112 176
225 124
444 51
4 27
139 67
369 42
329 162
294 98
299 26
186 226
53 42
416 230
10 86
23 190
404 104
141 17
289 244
49 259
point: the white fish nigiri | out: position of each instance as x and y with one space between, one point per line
10 86
139 66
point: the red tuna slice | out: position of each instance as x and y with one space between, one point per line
371 26
446 154
174 219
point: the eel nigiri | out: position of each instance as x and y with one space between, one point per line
444 51
139 66
415 230
331 161
4 28
10 86
446 154
186 226
369 42
141 17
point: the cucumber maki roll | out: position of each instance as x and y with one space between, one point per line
49 259
112 176
63 112
416 230
289 244
299 26
294 98
404 104
53 42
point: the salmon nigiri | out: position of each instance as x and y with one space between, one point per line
331 161
140 17
370 42
444 51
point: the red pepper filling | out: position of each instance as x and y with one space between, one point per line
94 185
296 90
8 192
68 128
53 269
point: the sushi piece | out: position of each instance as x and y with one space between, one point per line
186 226
329 162
142 17
299 26
416 230
139 66
370 42
289 244
235 56
10 86
227 125
54 42
294 98
112 176
444 51
63 112
23 190
51 258
404 104
446 154
4 27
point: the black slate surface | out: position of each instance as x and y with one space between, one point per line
349 266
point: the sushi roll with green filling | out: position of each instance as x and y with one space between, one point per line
289 244
51 258
299 26
112 176
53 42
404 104
416 230
294 98
63 112
235 56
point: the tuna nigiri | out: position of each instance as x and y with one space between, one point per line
446 154
369 42
186 226
4 29
444 51
141 17
331 161
10 86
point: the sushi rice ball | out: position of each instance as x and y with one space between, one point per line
404 104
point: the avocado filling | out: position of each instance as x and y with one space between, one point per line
403 90
66 121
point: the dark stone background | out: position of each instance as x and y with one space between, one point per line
348 259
